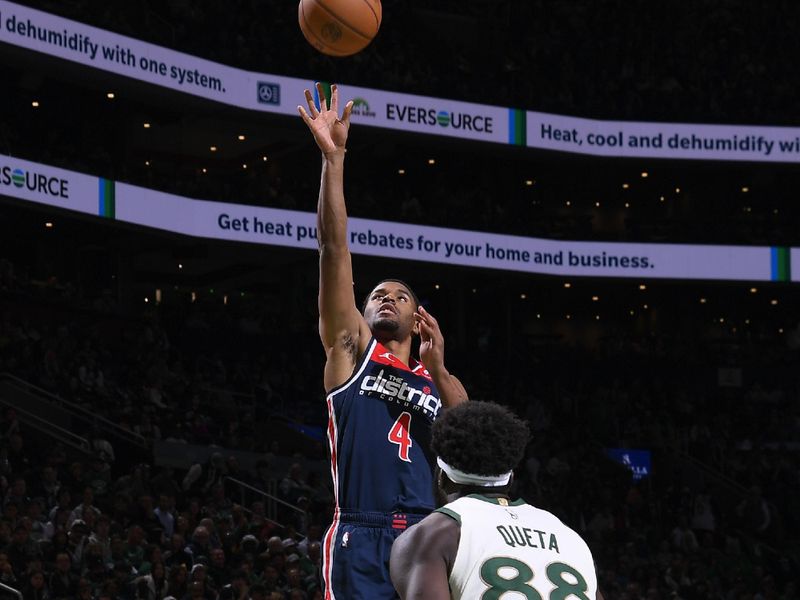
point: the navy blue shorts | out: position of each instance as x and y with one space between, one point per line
355 554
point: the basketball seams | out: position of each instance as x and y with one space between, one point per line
342 21
333 51
377 20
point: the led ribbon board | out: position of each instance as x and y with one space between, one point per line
97 48
42 184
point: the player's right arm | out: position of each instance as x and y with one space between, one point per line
422 558
342 329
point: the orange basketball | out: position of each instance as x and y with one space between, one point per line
339 27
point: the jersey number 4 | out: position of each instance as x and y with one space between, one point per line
400 434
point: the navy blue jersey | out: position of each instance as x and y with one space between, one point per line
379 430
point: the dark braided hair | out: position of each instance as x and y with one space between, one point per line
482 438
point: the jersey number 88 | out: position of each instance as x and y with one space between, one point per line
520 583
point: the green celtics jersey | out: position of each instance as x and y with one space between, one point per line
510 550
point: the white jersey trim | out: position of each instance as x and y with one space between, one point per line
356 373
329 547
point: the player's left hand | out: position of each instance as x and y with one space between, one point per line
330 131
431 348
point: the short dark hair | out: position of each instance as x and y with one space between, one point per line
482 438
391 280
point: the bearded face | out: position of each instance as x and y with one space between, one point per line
389 311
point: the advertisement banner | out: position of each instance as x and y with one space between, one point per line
93 47
66 39
48 185
638 461
432 116
97 48
663 140
297 229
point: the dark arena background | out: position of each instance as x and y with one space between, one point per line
598 200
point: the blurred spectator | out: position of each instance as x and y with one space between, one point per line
79 512
200 545
164 514
63 583
293 486
36 587
154 585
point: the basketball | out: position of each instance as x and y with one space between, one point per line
339 27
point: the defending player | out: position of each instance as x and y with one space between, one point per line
381 402
482 544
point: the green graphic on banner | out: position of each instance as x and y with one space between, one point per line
517 127
107 198
781 264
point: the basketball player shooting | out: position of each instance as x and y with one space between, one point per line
381 401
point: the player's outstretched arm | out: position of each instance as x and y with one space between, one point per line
422 557
431 353
340 323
